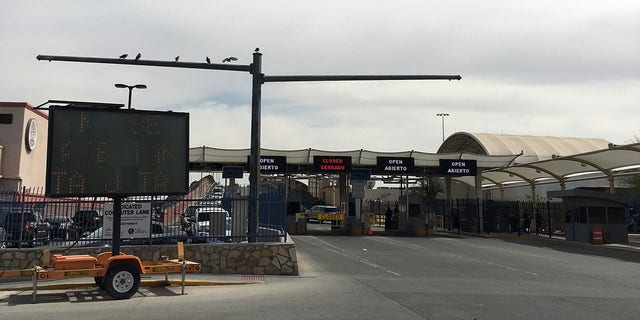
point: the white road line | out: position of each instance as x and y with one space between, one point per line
457 256
335 249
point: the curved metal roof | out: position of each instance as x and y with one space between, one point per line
546 159
530 148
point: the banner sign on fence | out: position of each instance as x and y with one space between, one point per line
135 221
458 167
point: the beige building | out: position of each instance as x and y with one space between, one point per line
23 146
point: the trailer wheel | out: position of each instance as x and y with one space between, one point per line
122 281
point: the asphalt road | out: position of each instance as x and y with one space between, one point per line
387 278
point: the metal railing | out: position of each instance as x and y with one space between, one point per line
28 218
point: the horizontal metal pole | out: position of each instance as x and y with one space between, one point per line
358 78
155 63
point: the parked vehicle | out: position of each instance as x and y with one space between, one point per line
26 226
85 222
59 227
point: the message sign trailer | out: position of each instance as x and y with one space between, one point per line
116 153
118 274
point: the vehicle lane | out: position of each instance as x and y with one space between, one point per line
443 277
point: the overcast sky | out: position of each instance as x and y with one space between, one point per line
549 68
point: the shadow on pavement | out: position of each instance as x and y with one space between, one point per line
80 296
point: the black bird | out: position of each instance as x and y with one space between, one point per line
138 56
208 60
177 58
124 56
257 49
229 59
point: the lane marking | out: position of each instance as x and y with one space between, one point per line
457 256
337 250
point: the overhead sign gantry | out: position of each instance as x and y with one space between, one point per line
255 69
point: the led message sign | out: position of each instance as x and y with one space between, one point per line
450 167
395 165
332 164
113 153
271 164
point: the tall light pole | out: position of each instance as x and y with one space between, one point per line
137 86
442 115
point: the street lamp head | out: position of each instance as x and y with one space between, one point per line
124 86
442 114
137 86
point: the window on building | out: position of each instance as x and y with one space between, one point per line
582 215
597 215
616 215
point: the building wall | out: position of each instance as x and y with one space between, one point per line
21 167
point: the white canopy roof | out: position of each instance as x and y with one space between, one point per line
527 159
545 159
215 157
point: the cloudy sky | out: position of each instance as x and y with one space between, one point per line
549 68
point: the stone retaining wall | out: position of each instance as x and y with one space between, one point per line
232 258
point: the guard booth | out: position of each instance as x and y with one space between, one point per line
587 211
412 219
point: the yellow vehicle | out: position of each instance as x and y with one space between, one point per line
118 275
321 213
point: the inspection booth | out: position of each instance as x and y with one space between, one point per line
586 209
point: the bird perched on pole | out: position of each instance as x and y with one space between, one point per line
177 58
257 49
208 60
124 56
138 56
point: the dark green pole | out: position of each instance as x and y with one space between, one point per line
254 159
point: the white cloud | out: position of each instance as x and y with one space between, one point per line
567 68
